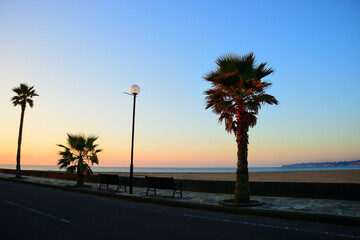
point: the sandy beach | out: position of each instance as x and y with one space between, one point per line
338 176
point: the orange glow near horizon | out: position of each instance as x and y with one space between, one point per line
217 150
214 149
188 159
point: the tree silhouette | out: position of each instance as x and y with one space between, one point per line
237 93
78 155
24 96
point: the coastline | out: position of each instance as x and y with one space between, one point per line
340 176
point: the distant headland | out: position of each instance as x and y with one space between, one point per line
355 163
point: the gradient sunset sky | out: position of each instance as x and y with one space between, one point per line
82 55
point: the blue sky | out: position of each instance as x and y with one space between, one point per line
82 55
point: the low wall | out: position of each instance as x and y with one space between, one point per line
43 174
341 191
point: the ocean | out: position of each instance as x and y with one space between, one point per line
149 169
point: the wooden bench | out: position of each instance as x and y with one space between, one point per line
112 179
164 183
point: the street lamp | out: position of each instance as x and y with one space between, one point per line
134 90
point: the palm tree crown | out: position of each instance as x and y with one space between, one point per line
80 153
237 91
24 95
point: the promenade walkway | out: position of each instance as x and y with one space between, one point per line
336 211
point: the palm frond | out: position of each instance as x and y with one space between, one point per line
30 102
262 99
94 159
16 100
89 144
261 71
17 90
71 169
60 145
77 142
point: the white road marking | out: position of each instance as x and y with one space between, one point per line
36 211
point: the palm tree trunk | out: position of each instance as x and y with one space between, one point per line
242 192
18 170
80 178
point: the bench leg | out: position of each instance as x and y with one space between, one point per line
147 191
177 192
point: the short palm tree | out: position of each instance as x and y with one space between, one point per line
237 93
78 155
24 96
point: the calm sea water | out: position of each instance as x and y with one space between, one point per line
148 169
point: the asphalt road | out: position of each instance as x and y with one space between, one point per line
31 212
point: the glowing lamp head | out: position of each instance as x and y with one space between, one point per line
135 89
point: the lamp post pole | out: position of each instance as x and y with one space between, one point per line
132 147
134 90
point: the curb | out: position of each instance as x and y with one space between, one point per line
289 215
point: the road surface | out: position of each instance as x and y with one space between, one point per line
31 212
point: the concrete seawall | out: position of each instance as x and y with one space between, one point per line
340 191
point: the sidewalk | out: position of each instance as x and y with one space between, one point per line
308 209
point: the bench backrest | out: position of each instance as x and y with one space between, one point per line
109 178
160 182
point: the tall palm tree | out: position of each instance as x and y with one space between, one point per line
80 153
237 93
24 96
